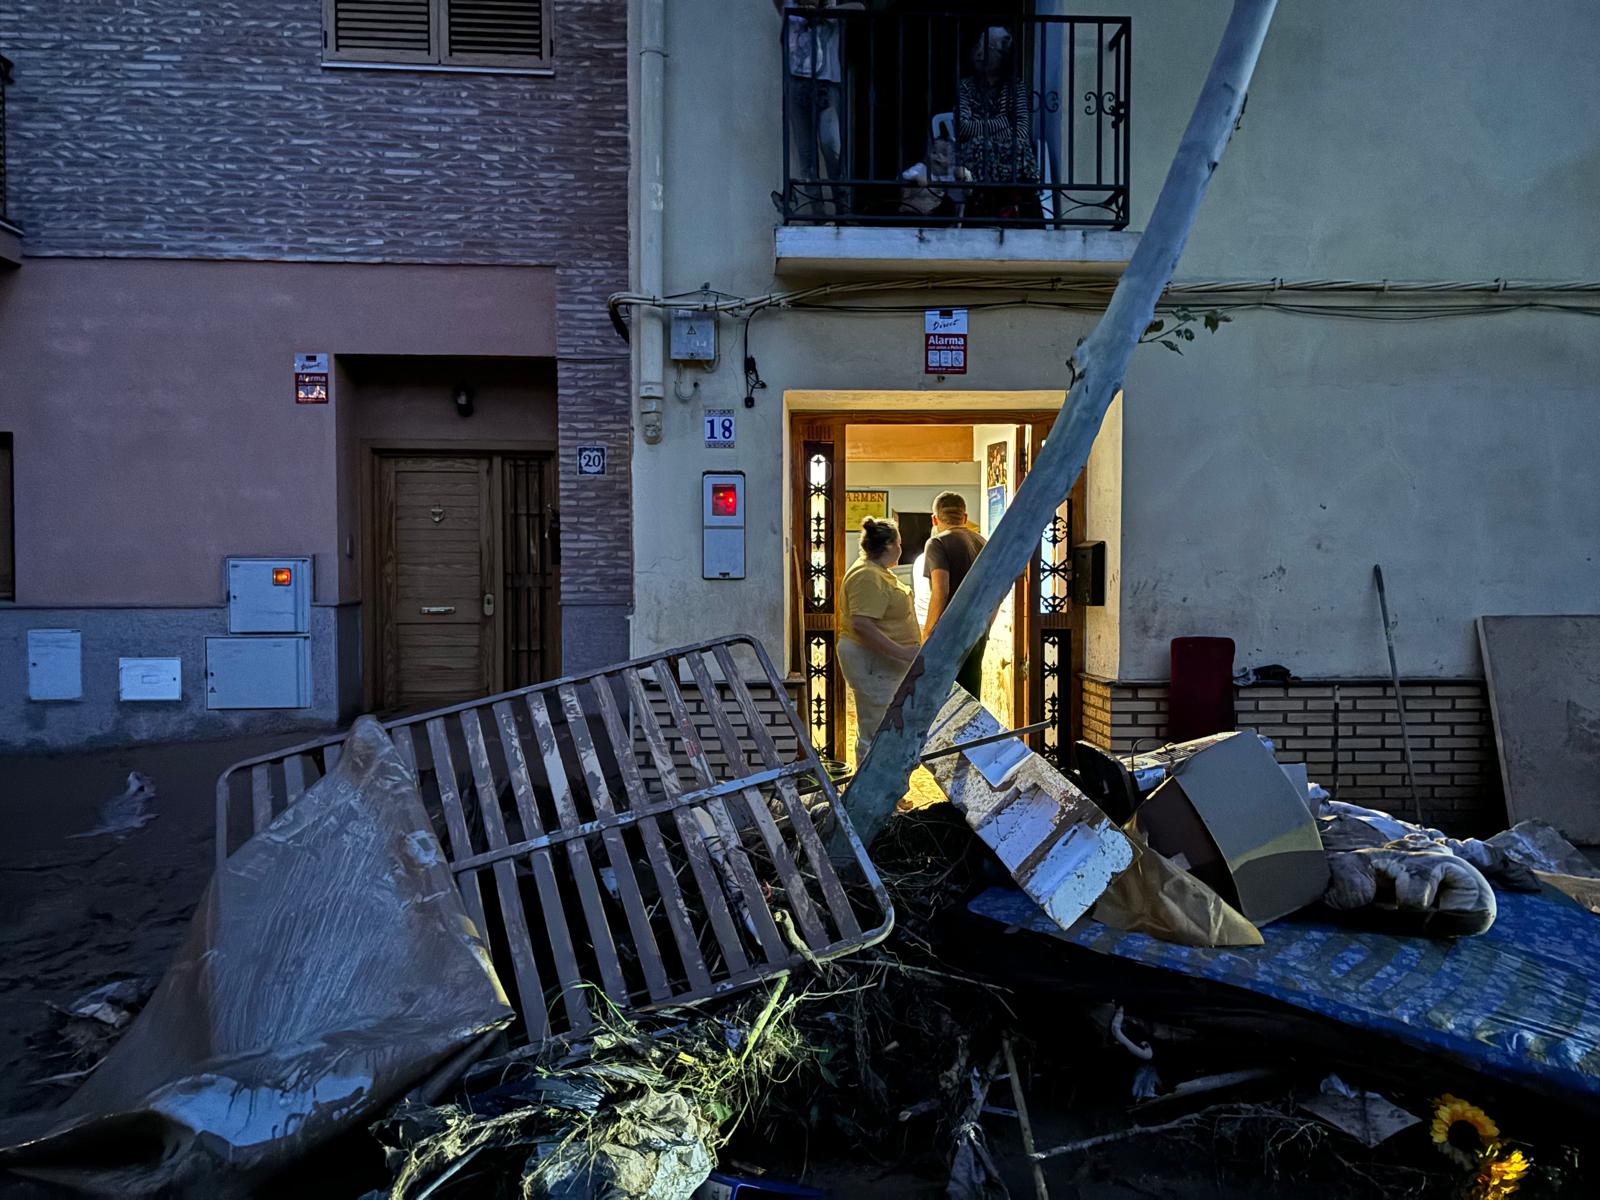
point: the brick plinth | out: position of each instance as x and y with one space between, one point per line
1452 739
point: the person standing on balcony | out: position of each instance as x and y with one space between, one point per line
878 639
994 129
812 58
951 551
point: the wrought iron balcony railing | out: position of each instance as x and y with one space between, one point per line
976 117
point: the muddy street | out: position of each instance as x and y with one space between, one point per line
80 911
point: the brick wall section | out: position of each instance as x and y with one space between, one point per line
166 128
1097 712
1452 740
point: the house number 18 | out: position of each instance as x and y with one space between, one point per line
719 427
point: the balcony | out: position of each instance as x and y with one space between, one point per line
10 235
967 139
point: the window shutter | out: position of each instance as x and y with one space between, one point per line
390 31
496 33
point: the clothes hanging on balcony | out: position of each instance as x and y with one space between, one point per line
813 45
812 54
996 145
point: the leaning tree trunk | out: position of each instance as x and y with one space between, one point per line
1101 362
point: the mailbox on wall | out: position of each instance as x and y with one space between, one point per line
722 521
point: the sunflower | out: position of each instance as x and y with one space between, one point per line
1500 1174
1462 1131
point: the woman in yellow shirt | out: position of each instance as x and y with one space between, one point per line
879 637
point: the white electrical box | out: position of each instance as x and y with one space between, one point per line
269 595
149 679
722 518
258 672
55 664
694 336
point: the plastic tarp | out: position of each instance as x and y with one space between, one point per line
329 967
1521 1002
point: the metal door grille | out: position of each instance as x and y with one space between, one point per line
637 834
527 582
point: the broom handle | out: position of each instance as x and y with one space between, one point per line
1399 698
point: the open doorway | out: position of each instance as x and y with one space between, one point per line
893 464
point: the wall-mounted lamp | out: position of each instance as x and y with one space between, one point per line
463 402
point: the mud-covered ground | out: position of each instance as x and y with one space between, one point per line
76 912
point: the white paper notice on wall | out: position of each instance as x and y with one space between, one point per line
150 679
55 664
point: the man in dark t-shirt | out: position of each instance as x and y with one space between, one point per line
948 557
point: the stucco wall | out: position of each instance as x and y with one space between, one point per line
1269 468
1430 140
1102 503
1272 466
153 414
1011 352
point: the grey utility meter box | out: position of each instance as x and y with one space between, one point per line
722 524
694 336
258 672
269 595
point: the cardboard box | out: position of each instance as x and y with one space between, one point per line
1230 816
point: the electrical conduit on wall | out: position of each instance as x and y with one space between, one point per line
652 204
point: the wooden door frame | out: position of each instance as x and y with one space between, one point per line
1025 631
369 451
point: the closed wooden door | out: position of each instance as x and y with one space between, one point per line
436 560
466 576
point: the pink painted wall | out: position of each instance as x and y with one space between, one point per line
154 418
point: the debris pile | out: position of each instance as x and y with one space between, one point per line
638 1109
1180 958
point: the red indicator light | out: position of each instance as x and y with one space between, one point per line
282 576
724 500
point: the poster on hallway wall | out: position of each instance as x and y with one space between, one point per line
997 481
864 504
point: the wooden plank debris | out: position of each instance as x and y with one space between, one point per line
1059 847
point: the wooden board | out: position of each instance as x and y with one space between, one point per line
908 443
1543 676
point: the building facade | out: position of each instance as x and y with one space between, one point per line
318 280
837 193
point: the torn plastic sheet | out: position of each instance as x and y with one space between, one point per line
329 967
1556 861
